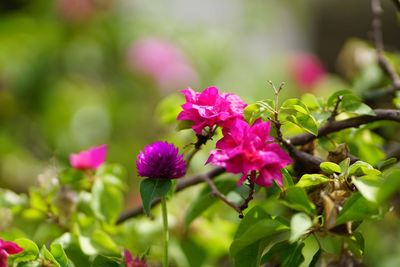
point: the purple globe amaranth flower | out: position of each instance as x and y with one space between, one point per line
92 158
7 248
161 160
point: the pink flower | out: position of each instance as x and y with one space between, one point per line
130 262
75 10
165 63
307 70
250 150
89 159
7 248
210 108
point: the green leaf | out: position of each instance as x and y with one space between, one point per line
87 246
299 225
330 167
355 244
103 261
107 201
358 108
360 168
287 179
330 243
305 121
356 208
104 242
390 185
254 215
150 189
309 180
294 104
285 254
59 254
344 166
368 186
48 256
205 200
310 101
30 251
385 164
297 199
259 230
333 98
195 253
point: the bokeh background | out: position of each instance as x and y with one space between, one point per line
79 73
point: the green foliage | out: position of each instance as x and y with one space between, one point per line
205 200
151 189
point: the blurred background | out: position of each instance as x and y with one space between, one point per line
79 73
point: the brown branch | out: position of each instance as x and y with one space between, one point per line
335 126
182 184
378 40
397 4
215 192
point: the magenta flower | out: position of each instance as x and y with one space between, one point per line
210 108
162 61
307 70
89 159
161 160
7 248
250 150
133 262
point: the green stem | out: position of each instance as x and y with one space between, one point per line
165 225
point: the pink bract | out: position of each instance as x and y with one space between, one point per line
92 158
210 108
249 150
7 248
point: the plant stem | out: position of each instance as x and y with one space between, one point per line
165 230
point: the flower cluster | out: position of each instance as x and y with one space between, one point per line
249 149
246 149
160 160
210 108
7 248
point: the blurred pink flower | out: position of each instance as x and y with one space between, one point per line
210 108
89 159
136 262
75 10
165 63
250 149
307 70
7 248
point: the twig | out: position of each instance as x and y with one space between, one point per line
378 40
334 113
249 197
215 192
397 4
336 126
